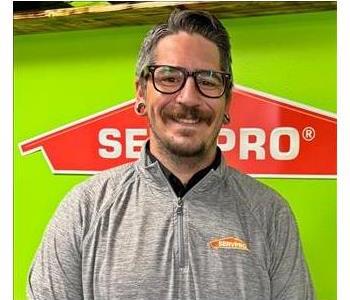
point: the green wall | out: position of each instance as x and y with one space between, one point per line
61 77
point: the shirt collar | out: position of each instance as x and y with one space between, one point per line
180 189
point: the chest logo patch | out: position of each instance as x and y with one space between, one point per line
228 243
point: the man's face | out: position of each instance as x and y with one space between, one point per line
186 123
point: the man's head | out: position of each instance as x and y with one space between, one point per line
200 22
184 78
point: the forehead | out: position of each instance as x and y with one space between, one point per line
192 51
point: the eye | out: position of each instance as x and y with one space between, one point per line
168 76
209 80
207 83
170 79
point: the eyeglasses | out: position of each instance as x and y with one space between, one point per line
169 80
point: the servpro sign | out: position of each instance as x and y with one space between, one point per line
267 137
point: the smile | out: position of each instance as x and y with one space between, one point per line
186 121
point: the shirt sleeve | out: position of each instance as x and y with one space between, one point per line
56 270
290 278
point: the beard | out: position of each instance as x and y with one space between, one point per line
178 149
181 150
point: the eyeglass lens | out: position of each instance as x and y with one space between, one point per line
170 80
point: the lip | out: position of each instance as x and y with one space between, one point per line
185 116
186 121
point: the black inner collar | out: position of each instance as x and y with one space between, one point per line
180 189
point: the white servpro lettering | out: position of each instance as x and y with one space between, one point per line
234 245
230 139
251 140
256 146
130 135
108 137
294 143
111 147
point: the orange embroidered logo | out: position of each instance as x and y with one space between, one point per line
228 243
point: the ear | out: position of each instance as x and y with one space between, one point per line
140 91
228 102
140 100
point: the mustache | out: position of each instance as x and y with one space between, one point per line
181 111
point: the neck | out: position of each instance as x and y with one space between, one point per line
183 167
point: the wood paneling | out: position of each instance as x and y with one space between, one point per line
123 14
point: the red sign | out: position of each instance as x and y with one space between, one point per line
267 137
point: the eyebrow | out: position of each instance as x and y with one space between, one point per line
194 70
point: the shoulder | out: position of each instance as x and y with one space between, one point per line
263 202
268 212
87 200
106 181
98 189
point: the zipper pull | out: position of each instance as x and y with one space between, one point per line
179 208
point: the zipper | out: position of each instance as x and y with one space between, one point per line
180 232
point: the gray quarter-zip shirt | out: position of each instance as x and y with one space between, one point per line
124 234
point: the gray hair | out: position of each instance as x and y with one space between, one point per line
190 21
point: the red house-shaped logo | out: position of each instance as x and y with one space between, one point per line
267 137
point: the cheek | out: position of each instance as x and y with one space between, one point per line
159 102
155 108
218 112
155 111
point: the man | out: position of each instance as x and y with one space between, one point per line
178 223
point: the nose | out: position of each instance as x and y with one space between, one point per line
189 94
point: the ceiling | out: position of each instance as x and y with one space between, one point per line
51 16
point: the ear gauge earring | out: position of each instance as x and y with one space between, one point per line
139 108
227 119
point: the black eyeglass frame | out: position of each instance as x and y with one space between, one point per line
226 79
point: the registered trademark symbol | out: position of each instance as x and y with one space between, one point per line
309 133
